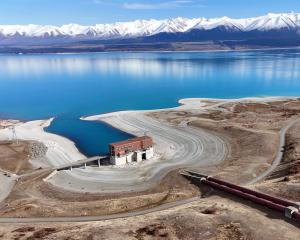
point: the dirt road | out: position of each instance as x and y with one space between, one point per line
277 160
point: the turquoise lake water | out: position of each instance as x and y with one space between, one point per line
72 85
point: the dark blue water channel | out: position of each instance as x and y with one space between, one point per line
71 86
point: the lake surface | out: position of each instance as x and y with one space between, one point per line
70 86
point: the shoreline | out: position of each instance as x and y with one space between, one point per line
60 149
61 146
188 103
154 51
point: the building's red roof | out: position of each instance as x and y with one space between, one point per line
132 140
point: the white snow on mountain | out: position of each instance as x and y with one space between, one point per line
150 27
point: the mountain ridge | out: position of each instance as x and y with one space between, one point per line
147 28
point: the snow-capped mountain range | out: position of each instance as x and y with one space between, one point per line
141 28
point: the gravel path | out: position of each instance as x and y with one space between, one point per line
277 160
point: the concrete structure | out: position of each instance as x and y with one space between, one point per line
132 150
83 163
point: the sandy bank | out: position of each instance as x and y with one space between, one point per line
186 104
60 150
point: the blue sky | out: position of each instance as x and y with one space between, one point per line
58 12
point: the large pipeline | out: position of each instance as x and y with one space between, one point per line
296 215
288 208
252 192
247 196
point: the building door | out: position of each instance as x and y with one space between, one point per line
134 157
144 156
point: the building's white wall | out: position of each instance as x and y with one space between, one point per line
118 160
139 156
122 159
132 157
149 153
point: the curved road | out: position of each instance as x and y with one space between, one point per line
177 146
279 154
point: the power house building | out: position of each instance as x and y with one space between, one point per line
132 150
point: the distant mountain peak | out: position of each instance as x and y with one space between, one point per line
145 28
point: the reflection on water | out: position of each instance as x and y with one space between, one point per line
68 86
180 65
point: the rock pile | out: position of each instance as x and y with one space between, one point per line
37 150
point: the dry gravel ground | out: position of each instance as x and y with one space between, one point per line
216 217
252 131
18 156
15 159
15 156
33 197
